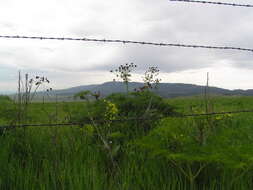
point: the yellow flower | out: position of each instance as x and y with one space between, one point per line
218 117
111 110
229 115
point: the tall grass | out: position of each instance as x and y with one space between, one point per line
75 158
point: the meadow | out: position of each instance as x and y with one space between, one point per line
167 152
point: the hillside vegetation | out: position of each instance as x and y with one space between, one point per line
161 151
166 90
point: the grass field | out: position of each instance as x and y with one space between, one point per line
207 152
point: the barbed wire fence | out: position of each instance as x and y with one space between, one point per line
127 42
7 127
180 45
215 3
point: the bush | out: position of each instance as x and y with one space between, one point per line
226 149
138 104
98 111
146 107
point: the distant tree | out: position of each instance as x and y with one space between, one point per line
84 95
96 95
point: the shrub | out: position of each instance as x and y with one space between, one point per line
138 104
226 149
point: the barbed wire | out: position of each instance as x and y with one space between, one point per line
215 3
127 42
217 113
123 119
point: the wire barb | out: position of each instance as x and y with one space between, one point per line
215 3
128 42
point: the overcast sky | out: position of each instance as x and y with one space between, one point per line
69 63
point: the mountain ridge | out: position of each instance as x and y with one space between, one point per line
166 90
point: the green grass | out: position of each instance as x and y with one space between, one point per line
165 157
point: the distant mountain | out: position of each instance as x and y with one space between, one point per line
74 90
165 90
6 92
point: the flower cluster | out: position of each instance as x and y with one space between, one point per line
223 116
111 110
124 71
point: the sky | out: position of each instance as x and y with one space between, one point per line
71 63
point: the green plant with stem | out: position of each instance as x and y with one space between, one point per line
124 73
151 79
26 94
107 111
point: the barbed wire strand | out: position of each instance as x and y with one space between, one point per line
122 120
128 42
215 3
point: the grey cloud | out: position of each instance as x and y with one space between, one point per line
160 21
167 59
190 24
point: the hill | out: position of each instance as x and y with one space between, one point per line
166 90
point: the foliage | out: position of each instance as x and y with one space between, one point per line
168 156
4 98
83 95
225 149
95 110
7 108
150 78
124 73
87 95
139 104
